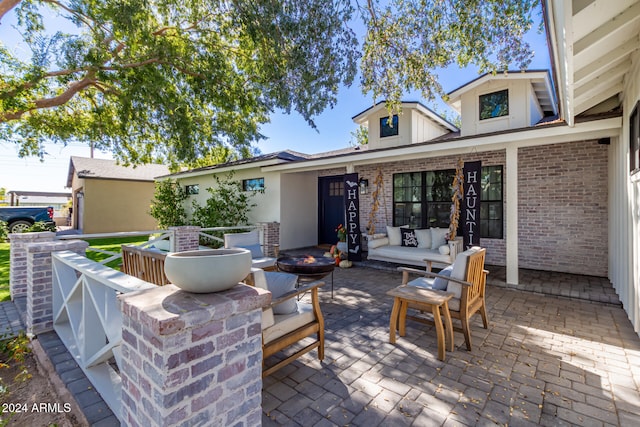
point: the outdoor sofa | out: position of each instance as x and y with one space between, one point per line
423 247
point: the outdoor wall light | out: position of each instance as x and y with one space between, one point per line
364 185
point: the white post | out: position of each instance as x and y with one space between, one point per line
512 215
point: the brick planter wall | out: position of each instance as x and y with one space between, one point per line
39 317
192 359
271 236
18 259
185 238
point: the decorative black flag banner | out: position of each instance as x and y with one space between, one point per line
471 204
352 209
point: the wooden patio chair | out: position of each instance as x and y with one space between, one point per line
467 284
287 321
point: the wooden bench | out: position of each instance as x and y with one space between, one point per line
144 264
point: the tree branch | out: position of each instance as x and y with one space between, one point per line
6 6
64 97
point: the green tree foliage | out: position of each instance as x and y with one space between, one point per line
167 204
165 79
409 41
360 136
227 206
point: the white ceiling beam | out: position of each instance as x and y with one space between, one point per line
598 98
608 29
607 78
605 61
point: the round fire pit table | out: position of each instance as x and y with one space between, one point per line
308 268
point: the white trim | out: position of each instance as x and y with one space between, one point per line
511 165
544 135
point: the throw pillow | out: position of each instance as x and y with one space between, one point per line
394 236
440 283
437 237
409 238
256 250
424 238
444 250
279 284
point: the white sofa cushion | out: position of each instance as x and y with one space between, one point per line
438 237
285 323
424 238
376 243
404 253
394 236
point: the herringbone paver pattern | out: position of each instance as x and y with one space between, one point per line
545 360
559 351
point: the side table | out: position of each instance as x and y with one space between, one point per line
428 299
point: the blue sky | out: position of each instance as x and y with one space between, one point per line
334 127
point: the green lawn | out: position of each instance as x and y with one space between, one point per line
4 271
104 244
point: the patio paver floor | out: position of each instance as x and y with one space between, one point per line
545 360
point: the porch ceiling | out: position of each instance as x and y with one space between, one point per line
595 41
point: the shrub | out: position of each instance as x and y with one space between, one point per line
167 207
228 205
4 231
41 226
14 350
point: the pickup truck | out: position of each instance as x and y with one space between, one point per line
19 218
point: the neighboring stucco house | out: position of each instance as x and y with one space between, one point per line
560 153
108 197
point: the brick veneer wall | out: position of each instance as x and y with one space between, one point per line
192 359
18 259
563 208
39 317
496 253
185 238
271 237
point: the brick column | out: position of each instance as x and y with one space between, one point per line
18 259
40 281
185 238
192 359
271 236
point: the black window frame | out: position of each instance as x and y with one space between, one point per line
386 130
634 140
488 96
192 189
418 207
247 186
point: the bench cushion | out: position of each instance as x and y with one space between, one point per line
285 323
412 254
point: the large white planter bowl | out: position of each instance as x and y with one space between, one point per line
205 271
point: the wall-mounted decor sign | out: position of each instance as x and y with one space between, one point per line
352 210
471 204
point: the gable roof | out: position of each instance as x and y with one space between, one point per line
88 168
267 159
540 81
361 117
